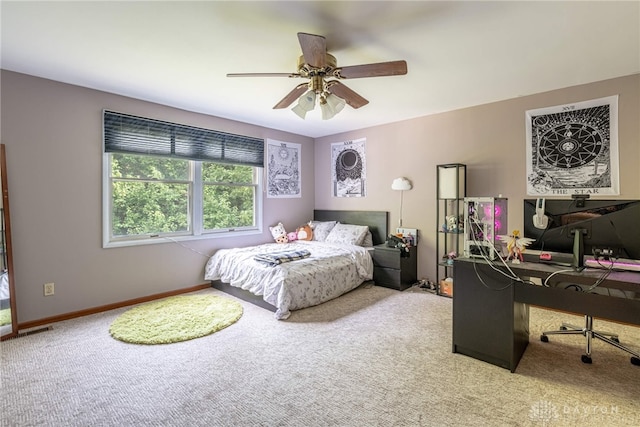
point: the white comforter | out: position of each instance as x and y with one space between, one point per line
330 271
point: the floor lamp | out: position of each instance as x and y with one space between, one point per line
401 185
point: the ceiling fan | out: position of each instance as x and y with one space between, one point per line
324 74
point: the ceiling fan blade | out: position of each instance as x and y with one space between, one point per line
263 75
314 49
292 96
392 68
349 96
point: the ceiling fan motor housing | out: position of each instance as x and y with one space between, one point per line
306 70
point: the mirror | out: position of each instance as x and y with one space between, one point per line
8 316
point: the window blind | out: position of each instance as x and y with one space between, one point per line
124 133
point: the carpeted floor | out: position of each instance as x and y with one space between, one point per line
374 357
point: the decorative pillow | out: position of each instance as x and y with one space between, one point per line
304 232
292 236
278 232
321 229
347 233
282 239
367 242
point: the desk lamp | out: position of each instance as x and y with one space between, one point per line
401 184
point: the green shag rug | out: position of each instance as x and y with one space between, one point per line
5 316
175 319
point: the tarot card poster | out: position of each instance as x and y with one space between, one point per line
348 168
573 149
283 169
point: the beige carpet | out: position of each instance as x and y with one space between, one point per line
374 357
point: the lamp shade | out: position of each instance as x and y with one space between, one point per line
451 181
336 103
327 111
331 105
301 112
306 103
401 184
308 100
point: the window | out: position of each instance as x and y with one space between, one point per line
228 194
166 180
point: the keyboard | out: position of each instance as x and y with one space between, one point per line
618 265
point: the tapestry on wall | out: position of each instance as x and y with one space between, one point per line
348 168
283 169
573 149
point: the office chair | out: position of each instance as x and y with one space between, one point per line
587 331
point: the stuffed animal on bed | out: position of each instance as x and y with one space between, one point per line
279 233
292 236
305 232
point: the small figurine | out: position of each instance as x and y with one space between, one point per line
409 240
515 245
452 223
448 258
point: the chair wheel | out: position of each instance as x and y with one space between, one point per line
544 338
585 358
635 361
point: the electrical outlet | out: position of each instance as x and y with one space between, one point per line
49 289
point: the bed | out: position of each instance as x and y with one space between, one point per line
325 269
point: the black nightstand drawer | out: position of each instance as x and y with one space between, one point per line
387 257
394 268
388 277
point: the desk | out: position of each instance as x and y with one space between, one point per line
491 319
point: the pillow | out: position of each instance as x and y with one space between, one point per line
347 233
279 233
367 242
304 232
282 239
321 229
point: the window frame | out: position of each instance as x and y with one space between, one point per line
195 216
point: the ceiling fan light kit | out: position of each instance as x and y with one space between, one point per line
305 103
330 106
321 68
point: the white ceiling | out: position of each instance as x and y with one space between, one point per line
458 54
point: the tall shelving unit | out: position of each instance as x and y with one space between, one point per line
451 181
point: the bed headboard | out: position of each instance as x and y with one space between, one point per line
377 221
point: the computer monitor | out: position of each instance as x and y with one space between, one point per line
584 227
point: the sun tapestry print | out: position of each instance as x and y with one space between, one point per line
573 149
283 170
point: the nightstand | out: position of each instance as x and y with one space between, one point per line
393 269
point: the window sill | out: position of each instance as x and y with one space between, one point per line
157 239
